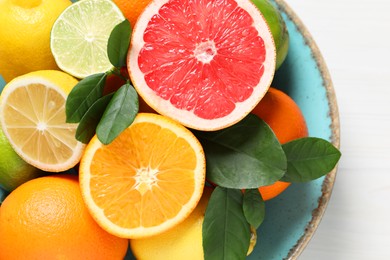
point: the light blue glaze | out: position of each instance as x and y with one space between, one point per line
288 215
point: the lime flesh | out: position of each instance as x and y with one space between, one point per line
80 35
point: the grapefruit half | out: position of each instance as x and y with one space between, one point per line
205 64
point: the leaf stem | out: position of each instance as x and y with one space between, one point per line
117 72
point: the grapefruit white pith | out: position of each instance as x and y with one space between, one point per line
205 64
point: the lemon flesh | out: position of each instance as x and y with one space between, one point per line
33 118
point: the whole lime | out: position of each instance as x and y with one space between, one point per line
14 171
278 28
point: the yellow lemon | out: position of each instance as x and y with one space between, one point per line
183 241
25 35
33 118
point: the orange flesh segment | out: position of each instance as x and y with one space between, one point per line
138 189
215 64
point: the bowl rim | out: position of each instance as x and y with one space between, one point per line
328 183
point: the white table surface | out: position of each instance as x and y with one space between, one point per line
354 39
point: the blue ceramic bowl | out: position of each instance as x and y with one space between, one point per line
293 217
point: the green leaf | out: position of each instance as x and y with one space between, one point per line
83 95
244 156
225 231
254 207
118 44
119 115
309 158
87 126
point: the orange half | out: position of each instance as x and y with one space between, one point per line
149 179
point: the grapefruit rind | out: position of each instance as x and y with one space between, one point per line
99 214
188 118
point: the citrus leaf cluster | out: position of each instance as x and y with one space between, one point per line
104 115
246 156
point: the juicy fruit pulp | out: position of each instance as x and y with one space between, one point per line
32 114
206 68
79 37
147 180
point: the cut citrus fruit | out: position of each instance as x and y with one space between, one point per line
206 68
32 115
80 35
147 180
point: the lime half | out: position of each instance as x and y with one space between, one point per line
80 34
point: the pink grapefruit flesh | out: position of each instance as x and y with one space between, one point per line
204 63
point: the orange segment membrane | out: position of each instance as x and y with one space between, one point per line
138 189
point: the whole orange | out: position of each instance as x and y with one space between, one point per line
285 118
46 218
131 9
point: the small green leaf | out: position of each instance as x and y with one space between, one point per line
246 155
309 158
120 113
254 207
83 95
118 44
87 126
225 231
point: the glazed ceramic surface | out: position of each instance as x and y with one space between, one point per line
292 217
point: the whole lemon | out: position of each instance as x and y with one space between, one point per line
46 218
183 241
14 171
25 35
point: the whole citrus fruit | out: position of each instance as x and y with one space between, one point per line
183 241
207 68
25 35
278 28
13 170
285 118
46 218
131 9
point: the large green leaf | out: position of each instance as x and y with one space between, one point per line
87 126
120 113
83 95
254 207
245 155
118 44
309 158
226 233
